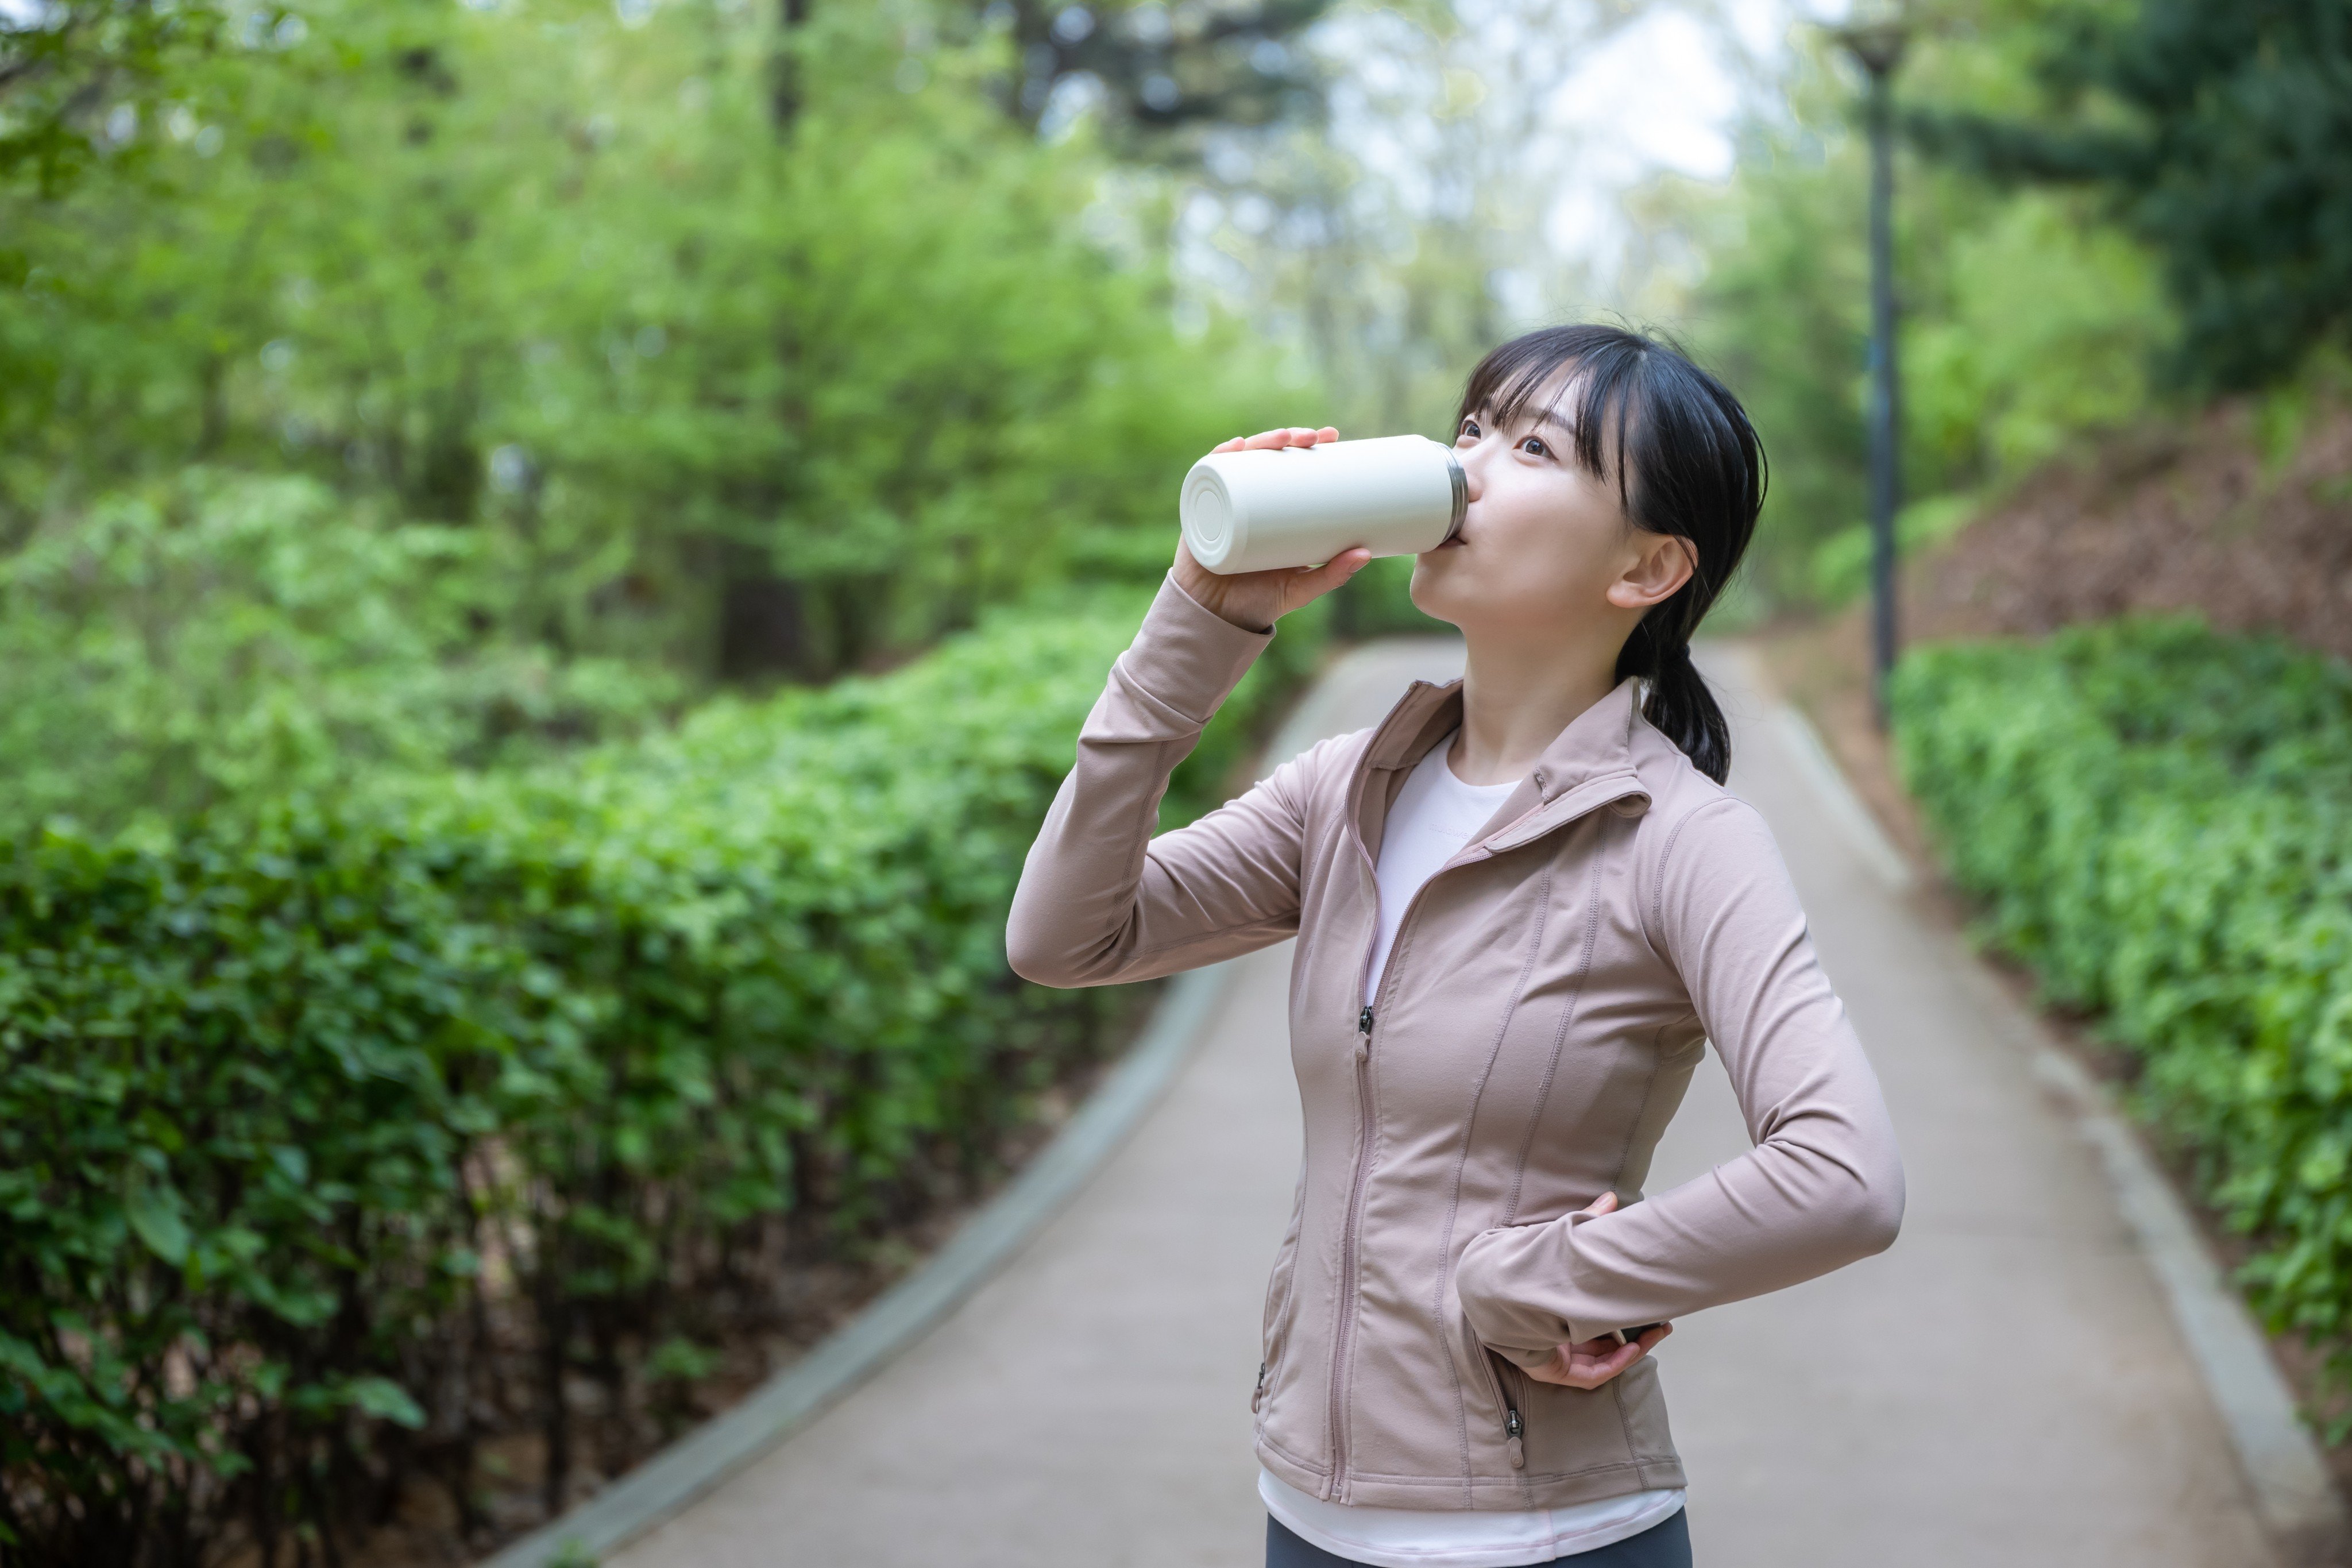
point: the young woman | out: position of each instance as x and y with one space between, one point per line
1524 903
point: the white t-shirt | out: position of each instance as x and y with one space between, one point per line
1431 1538
1434 816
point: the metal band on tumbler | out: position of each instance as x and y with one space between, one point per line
1461 493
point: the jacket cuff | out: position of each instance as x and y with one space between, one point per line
1523 1326
1187 657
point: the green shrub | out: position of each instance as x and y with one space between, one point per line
298 1109
2159 821
183 646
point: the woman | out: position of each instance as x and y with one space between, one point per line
1524 903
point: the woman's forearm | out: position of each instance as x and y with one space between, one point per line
1100 901
1822 1188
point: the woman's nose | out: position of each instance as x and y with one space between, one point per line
1474 467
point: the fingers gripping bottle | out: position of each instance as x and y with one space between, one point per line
1299 506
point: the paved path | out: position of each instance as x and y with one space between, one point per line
2005 1387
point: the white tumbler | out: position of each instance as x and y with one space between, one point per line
1299 506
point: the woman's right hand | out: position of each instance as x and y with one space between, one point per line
1255 600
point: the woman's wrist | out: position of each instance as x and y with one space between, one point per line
1206 589
1186 656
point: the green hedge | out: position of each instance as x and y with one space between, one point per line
2159 819
303 1116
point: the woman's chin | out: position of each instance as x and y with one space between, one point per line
1437 591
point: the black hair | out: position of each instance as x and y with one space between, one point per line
1684 460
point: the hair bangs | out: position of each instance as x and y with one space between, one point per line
1594 368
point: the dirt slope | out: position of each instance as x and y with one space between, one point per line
2190 517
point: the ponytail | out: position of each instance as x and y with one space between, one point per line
1686 462
1678 701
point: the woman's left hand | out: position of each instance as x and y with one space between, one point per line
1589 1363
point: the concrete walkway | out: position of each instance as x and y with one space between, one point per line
2005 1387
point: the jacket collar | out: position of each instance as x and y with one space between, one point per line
1588 764
1598 743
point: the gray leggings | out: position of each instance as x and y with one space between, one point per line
1665 1544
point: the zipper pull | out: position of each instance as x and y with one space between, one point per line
1512 1427
1259 1398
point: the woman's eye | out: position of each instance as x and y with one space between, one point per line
1534 446
1469 428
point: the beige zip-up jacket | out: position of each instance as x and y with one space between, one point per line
1549 991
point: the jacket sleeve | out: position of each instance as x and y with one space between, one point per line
1821 1187
1100 900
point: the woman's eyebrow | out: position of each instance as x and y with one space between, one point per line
1551 416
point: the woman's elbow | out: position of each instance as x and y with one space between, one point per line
1041 962
1853 1191
1040 953
1034 948
1873 1210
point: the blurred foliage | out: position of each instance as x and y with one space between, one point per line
77 76
1841 562
2158 820
731 393
419 992
1411 227
1378 602
222 638
2220 133
1158 70
2028 322
337 1136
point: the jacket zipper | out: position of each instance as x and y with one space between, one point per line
1513 1428
1347 1239
1366 1020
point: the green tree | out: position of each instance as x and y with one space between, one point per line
2220 131
2029 318
1158 68
555 276
77 75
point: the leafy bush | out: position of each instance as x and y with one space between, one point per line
217 636
2159 821
303 1110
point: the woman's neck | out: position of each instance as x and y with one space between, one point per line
1516 700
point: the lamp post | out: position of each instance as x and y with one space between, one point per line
1878 47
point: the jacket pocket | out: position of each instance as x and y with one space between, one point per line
1506 1388
1274 1332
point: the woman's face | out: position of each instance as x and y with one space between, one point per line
1543 546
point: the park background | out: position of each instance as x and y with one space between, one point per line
551 554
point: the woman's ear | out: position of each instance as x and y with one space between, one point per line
1662 564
